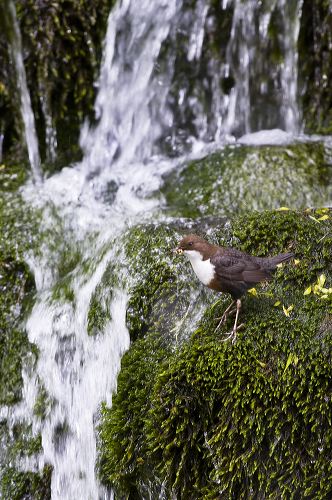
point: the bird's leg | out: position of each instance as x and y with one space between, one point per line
226 314
232 334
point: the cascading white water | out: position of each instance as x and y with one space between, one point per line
133 110
130 97
291 20
248 60
26 109
79 371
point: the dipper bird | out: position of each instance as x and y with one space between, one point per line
228 270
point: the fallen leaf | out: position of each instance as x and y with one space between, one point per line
253 292
307 291
281 209
323 217
288 310
321 280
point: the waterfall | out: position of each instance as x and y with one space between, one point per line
141 109
26 109
79 371
264 94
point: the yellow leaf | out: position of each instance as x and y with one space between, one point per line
279 265
323 217
288 310
321 280
325 296
253 291
289 361
292 359
263 365
276 304
281 209
296 262
307 291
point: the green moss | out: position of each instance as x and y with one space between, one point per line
42 403
211 419
124 459
98 315
18 444
18 229
238 179
17 485
60 40
16 282
155 301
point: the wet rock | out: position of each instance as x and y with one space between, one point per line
239 179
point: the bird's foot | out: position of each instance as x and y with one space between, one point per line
232 335
229 311
223 318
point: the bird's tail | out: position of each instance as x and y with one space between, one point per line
278 259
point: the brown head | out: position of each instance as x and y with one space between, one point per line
193 242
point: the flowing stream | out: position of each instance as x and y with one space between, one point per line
138 108
26 109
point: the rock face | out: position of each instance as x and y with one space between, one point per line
209 419
238 179
65 39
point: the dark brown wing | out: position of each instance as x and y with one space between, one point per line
237 272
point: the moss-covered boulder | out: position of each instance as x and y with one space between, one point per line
237 179
159 291
210 419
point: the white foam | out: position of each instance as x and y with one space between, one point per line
275 137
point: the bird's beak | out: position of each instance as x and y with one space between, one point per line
178 251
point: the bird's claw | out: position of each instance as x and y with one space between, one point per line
232 335
223 318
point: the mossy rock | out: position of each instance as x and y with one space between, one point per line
16 281
156 281
238 179
212 419
19 232
17 484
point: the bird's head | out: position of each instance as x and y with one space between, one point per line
191 243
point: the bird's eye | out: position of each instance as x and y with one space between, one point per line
190 244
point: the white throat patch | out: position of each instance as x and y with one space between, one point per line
204 270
